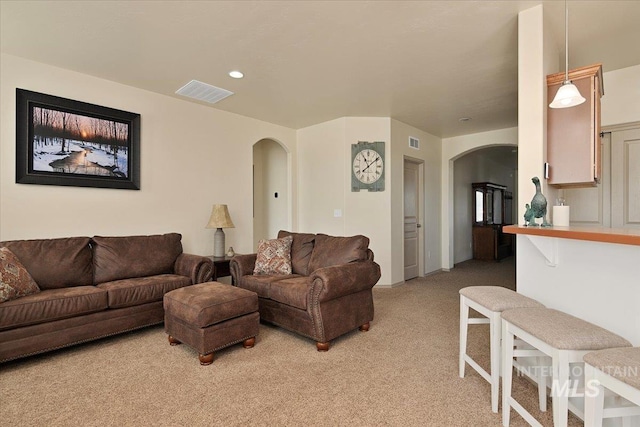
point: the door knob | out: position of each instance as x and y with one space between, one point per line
418 225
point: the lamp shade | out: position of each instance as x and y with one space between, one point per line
220 217
568 95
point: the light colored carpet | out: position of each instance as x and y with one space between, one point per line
403 372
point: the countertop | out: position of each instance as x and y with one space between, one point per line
624 236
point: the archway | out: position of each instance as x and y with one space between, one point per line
271 189
496 164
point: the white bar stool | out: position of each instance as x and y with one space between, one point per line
565 338
618 370
490 301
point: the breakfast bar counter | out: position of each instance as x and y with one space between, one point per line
625 236
589 272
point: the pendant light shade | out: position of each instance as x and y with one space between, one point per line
568 94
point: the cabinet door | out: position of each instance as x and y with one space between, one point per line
625 179
570 131
591 206
484 246
573 143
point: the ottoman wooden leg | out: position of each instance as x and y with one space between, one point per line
206 359
365 327
250 342
322 346
173 341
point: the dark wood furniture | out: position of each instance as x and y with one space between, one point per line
221 266
492 209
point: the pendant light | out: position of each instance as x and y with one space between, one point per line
568 94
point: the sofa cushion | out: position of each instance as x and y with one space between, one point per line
291 291
274 256
141 290
51 304
15 280
330 250
55 263
260 284
301 249
116 258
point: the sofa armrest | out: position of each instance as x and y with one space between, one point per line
198 268
242 265
346 279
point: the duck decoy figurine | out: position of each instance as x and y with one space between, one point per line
538 206
528 216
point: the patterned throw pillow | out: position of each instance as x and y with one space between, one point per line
15 280
274 256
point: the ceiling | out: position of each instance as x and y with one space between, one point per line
425 63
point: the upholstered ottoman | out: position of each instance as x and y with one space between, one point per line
211 316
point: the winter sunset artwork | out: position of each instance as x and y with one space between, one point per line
60 141
76 144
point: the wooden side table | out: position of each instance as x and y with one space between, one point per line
221 267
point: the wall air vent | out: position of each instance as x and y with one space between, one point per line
203 92
414 143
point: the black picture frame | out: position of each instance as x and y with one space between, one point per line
60 141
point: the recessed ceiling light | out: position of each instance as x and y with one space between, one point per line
236 74
464 119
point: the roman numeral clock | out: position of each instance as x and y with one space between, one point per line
367 166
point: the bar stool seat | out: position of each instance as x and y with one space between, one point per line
618 370
489 301
565 338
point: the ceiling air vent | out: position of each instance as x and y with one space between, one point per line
414 143
203 92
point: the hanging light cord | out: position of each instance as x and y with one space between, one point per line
566 42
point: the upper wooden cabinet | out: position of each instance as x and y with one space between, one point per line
573 134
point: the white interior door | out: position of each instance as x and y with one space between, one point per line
412 224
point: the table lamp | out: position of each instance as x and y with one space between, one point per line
219 219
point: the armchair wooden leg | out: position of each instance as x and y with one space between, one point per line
322 346
206 359
173 341
249 342
365 327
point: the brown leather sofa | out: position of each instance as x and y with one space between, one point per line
92 288
328 293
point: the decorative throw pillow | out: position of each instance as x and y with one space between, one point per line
15 280
274 256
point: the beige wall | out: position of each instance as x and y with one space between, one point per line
321 177
192 156
324 170
538 57
621 100
324 165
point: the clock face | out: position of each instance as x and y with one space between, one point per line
368 166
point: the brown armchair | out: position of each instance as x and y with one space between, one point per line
328 293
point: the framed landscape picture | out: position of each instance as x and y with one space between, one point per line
64 142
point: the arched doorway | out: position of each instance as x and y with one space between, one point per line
497 164
270 189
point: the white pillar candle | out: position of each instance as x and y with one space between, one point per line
561 216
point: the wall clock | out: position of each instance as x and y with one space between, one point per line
367 166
